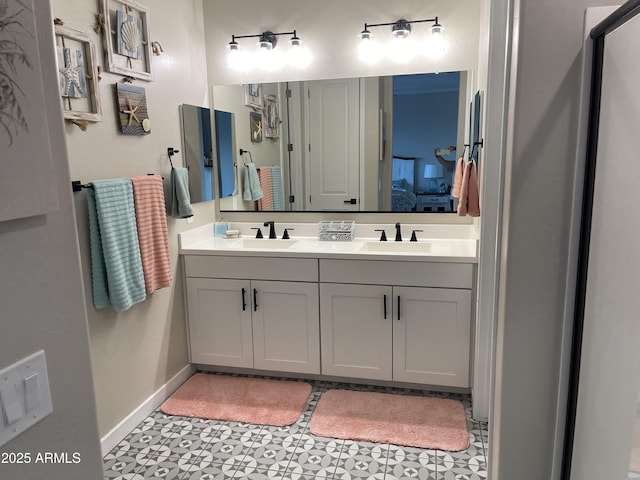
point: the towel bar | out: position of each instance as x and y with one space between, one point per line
77 185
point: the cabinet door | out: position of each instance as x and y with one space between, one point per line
286 326
219 325
431 335
355 335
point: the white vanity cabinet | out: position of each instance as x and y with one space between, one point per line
413 328
253 312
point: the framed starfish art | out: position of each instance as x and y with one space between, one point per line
132 107
78 75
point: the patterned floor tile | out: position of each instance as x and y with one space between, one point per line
223 450
165 468
116 467
183 448
461 468
363 459
411 463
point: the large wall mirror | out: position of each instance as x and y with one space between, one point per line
372 144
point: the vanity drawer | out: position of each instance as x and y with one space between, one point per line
258 268
372 272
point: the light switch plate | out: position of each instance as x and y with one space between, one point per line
31 381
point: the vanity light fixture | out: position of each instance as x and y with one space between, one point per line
266 56
402 46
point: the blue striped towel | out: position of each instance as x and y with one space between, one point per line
116 265
277 189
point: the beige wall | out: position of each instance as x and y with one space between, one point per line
137 351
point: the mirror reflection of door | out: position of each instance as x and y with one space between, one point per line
224 152
197 150
333 108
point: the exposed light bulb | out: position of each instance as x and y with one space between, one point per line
436 44
236 58
402 49
369 50
267 58
401 29
298 56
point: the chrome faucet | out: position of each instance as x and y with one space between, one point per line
398 233
272 228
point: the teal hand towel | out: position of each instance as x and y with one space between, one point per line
116 264
277 188
252 190
180 198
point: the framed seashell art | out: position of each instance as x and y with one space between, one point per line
127 46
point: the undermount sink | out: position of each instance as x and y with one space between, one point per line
264 243
400 247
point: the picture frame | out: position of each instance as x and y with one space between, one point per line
133 114
271 125
128 49
255 126
253 95
78 75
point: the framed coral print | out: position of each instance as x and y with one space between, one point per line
128 46
272 123
255 126
253 95
78 75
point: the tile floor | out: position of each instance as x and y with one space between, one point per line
181 448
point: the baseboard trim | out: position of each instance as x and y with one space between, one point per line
120 431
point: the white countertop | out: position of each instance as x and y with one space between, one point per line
437 243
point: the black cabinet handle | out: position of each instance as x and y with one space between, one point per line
398 307
351 201
244 299
385 307
255 299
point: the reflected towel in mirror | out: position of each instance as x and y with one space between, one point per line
252 190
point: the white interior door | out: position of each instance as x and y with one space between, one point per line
333 152
608 405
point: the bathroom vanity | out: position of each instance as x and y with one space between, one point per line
364 309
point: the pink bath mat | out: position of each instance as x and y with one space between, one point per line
424 422
239 399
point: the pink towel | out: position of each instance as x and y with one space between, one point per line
469 195
151 220
265 204
457 178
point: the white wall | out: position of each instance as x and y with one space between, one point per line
137 351
43 308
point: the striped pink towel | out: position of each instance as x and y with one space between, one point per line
151 220
265 204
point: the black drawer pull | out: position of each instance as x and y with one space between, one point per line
398 307
385 307
244 299
255 299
